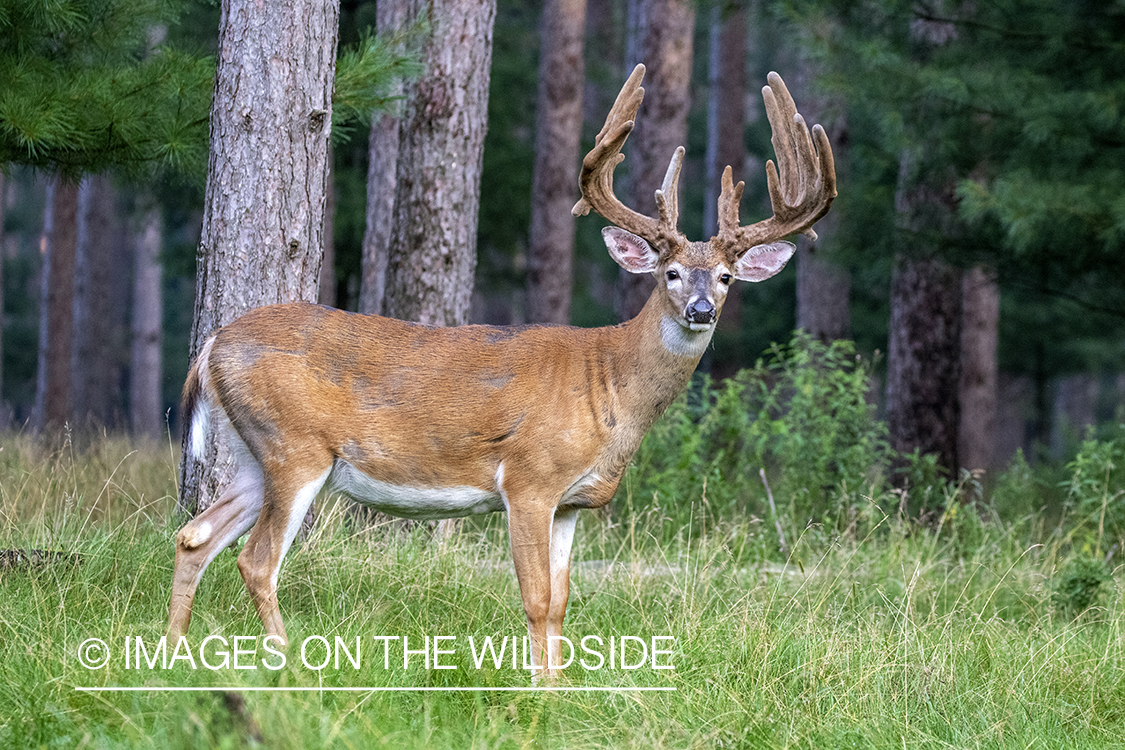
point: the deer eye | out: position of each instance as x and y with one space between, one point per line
672 274
725 278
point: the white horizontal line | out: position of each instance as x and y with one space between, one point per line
372 689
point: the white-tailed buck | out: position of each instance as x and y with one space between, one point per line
425 422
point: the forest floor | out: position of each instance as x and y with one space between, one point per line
905 640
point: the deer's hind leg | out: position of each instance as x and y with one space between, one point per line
289 493
205 536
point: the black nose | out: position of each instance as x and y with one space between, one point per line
701 311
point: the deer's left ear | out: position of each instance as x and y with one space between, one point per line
762 261
630 251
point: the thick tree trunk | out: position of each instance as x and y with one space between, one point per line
433 245
980 322
56 307
263 213
98 328
660 36
923 356
550 268
924 347
146 371
382 167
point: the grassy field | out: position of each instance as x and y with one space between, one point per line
903 638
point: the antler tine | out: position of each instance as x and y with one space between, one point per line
729 198
667 197
802 184
596 180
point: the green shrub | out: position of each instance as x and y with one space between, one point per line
1079 586
1095 494
803 416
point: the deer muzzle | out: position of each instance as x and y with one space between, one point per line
700 312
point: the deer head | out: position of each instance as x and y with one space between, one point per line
697 274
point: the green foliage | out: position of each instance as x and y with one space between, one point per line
1079 586
83 91
1095 494
1011 111
509 150
815 421
87 86
803 417
366 74
1022 489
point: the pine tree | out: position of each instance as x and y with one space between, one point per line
81 95
1012 111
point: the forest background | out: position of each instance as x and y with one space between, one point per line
988 142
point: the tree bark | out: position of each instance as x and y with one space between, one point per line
660 36
99 324
980 321
146 371
924 347
923 356
56 307
823 287
263 213
550 268
382 167
433 245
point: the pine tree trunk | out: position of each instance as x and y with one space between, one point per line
433 245
382 166
823 287
980 322
660 36
146 371
924 347
550 268
923 354
98 327
56 307
263 215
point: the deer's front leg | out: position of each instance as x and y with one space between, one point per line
562 536
529 530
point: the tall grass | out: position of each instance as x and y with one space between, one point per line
882 633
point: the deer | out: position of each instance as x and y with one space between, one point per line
429 422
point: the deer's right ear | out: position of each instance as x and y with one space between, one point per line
630 251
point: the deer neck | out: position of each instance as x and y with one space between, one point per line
658 358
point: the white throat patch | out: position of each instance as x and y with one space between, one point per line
682 342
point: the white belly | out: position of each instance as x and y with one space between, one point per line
413 502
